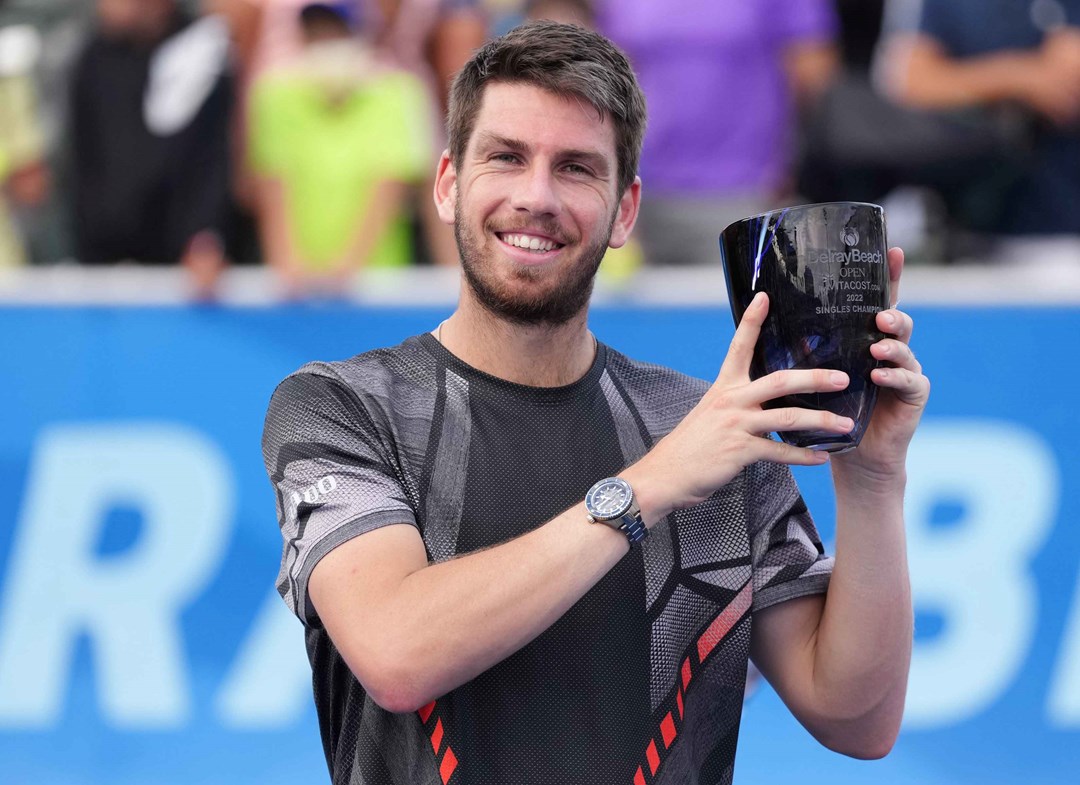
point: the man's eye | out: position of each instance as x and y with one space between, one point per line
576 169
506 158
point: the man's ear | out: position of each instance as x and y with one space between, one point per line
627 214
446 189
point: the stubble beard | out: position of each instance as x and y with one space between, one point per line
552 306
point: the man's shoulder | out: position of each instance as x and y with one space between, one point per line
372 392
642 372
658 392
376 371
374 379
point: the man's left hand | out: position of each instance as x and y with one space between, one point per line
902 397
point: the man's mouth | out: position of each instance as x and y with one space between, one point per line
529 242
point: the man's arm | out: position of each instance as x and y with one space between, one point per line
387 202
201 189
840 662
918 71
275 230
411 632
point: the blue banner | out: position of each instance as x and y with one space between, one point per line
141 639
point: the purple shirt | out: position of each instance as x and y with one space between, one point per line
720 115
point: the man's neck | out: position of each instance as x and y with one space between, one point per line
536 355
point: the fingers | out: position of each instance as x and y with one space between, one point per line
796 419
905 376
781 452
896 268
896 352
909 386
895 323
737 363
782 383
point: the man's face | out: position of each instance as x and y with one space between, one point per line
534 205
132 19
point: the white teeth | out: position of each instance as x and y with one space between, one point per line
529 243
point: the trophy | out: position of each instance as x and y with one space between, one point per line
824 269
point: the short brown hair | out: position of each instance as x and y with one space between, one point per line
566 60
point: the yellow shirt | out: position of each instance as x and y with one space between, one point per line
330 156
21 143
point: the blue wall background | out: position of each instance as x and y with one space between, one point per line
141 641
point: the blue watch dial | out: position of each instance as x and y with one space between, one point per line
609 498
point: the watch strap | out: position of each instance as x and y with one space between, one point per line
633 527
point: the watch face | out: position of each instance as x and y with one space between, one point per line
609 498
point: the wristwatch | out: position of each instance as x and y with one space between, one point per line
611 501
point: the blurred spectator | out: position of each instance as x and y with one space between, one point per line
336 137
571 12
149 127
429 38
963 54
54 33
432 39
723 79
24 177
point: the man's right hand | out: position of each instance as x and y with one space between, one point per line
729 428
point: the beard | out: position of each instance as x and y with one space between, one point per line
553 305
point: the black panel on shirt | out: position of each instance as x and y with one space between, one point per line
587 676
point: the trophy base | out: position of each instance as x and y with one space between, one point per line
855 402
821 442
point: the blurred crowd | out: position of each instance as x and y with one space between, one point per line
304 136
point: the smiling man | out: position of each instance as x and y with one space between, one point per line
522 557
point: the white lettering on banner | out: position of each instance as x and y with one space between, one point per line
269 685
128 604
1063 702
976 572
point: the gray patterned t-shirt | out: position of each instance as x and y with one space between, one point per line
641 681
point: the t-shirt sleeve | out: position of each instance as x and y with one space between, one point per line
332 476
788 558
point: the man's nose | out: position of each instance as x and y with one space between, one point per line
536 192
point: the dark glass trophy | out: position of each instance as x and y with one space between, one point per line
824 269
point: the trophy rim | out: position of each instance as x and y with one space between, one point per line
799 207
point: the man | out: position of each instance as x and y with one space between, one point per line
336 139
150 106
466 621
24 174
955 55
725 80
